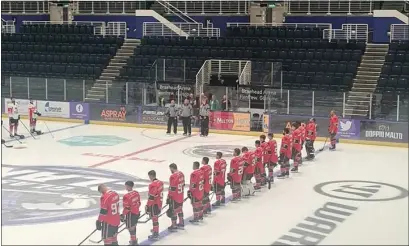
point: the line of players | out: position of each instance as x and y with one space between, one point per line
14 118
203 180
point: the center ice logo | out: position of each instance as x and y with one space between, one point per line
44 194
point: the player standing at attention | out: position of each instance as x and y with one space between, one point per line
14 118
301 126
219 177
154 204
32 116
266 158
311 130
249 164
333 129
195 192
235 174
109 216
207 174
258 156
273 156
285 153
130 214
297 145
175 197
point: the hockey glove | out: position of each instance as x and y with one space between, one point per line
147 209
18 117
189 194
98 225
39 114
168 200
122 218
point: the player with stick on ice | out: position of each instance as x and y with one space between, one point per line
14 118
32 116
176 197
154 205
219 177
131 213
109 215
196 192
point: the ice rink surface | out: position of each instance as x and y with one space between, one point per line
354 195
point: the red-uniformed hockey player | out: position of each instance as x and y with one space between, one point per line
266 158
285 153
273 156
333 129
196 191
311 134
32 117
131 211
109 215
249 164
14 118
235 174
219 178
154 204
207 174
258 156
297 145
176 197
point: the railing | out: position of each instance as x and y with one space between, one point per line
294 25
116 29
213 7
203 77
399 32
24 7
175 11
191 29
8 26
110 7
348 32
329 7
99 26
245 76
386 106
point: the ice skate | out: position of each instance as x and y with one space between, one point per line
154 236
294 169
172 228
281 175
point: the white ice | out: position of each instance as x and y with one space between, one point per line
260 220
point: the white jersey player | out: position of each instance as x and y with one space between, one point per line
32 116
14 118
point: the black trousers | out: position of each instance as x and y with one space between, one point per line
187 125
204 126
172 121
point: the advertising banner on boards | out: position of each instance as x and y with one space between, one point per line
153 115
221 120
384 131
113 113
79 110
54 109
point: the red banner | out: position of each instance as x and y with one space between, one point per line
229 121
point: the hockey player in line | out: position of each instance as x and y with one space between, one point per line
14 118
32 116
258 156
176 197
272 163
131 211
285 154
154 205
109 215
196 191
265 159
296 145
219 177
333 129
311 134
235 175
249 164
207 175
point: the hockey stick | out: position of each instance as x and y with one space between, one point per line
10 134
125 224
7 146
325 142
87 237
51 133
27 129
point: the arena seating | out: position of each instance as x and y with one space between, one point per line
57 51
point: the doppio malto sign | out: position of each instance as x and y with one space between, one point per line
384 131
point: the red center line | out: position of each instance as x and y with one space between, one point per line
138 152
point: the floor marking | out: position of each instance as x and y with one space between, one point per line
139 151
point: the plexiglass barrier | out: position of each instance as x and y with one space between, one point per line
387 106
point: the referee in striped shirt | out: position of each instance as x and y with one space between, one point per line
204 118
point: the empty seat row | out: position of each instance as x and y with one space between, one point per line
254 42
274 31
399 45
58 48
394 83
395 70
54 70
61 38
57 28
397 57
331 67
56 58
